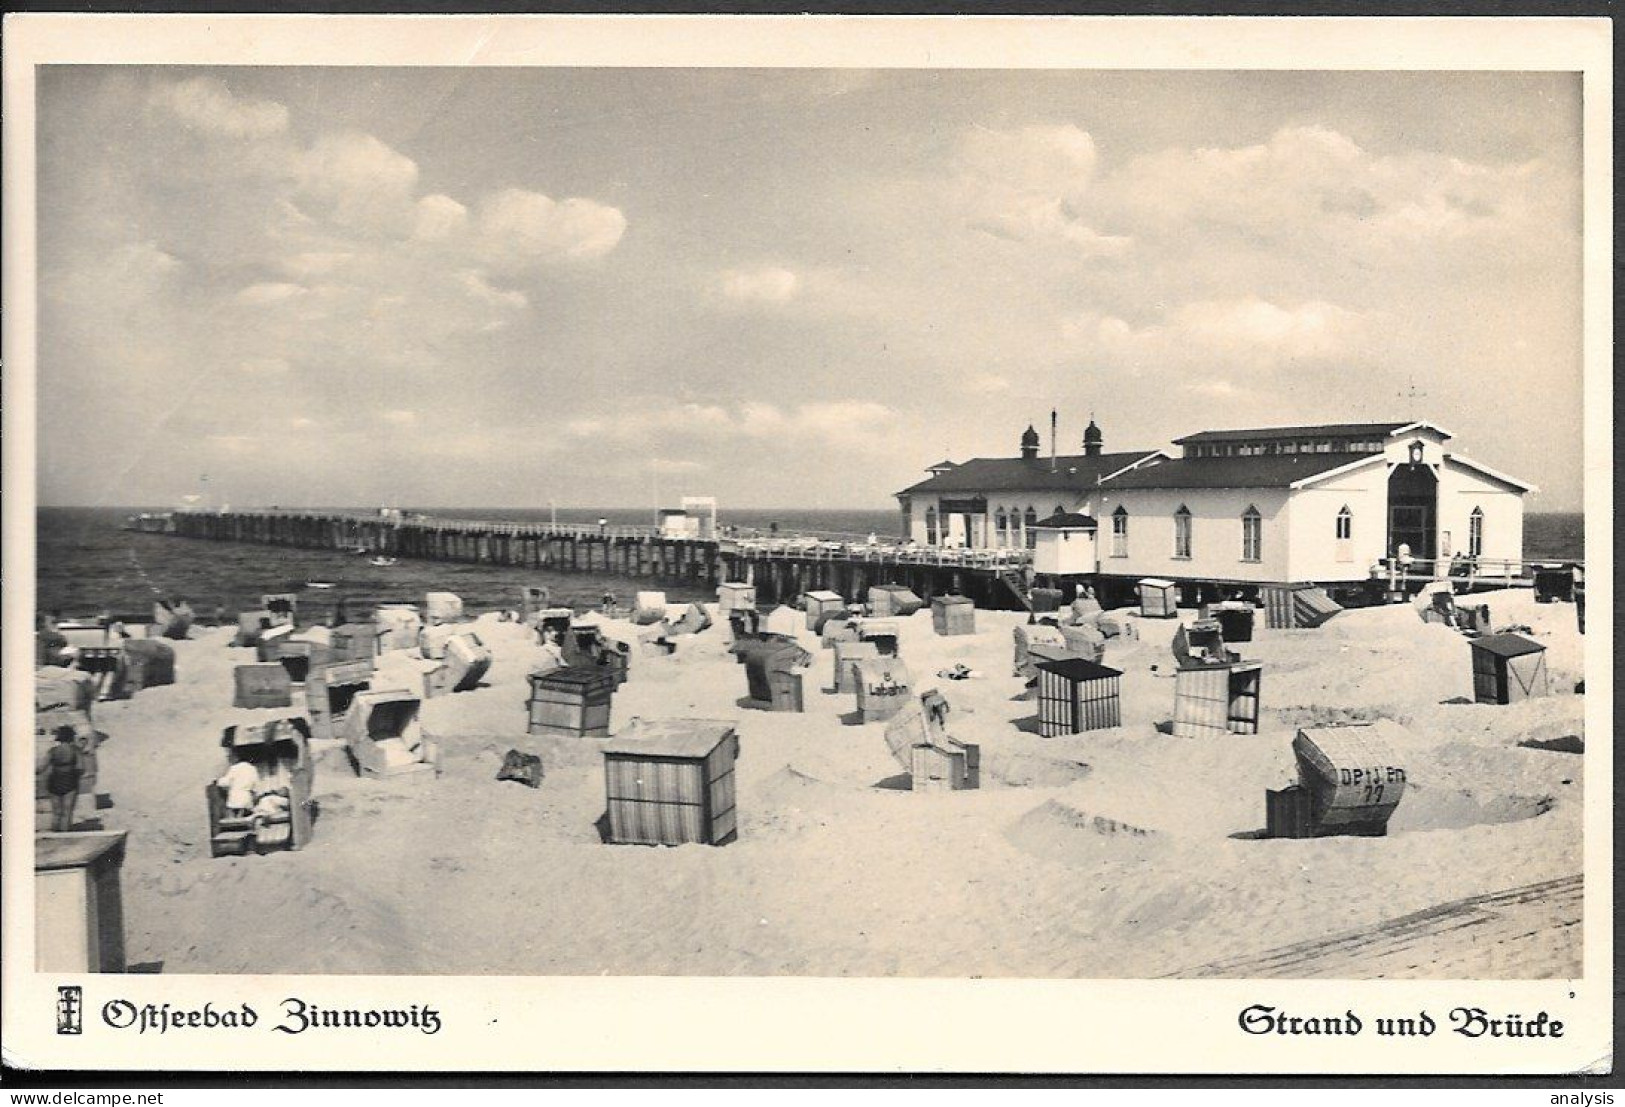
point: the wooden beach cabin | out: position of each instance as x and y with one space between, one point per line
1085 640
442 607
573 701
1036 642
650 608
1217 699
400 623
822 606
357 642
266 647
298 655
884 687
1508 668
893 599
385 739
883 634
552 620
281 817
773 673
1076 695
1296 606
145 663
78 902
782 620
1353 779
330 689
669 782
532 599
262 684
1235 619
953 615
250 625
735 596
1202 643
463 664
847 656
935 761
1159 599
283 607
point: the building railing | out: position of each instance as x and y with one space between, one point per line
1509 572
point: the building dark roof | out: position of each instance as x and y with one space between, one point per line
1507 645
1079 669
940 465
1264 471
1075 472
1325 430
1068 519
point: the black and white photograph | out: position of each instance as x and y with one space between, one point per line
861 520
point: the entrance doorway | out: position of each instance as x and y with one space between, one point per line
1413 511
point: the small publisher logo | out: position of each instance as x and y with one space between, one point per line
69 1003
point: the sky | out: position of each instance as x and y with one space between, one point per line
790 288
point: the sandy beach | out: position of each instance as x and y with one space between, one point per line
1117 853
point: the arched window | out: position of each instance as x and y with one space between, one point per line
1030 520
1001 525
930 526
1120 532
1345 524
1475 533
1182 532
1252 535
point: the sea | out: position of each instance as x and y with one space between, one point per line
86 562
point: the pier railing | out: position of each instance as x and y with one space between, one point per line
1474 571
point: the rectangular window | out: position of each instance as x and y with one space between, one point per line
1120 535
1182 535
1475 534
1252 538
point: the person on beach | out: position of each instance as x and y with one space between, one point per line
64 768
608 603
239 783
603 526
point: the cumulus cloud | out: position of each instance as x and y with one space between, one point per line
1246 332
356 180
1030 184
439 217
483 291
519 226
1314 186
130 271
206 104
763 284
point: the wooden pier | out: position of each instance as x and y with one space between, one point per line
781 568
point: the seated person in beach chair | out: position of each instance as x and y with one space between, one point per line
252 803
551 654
